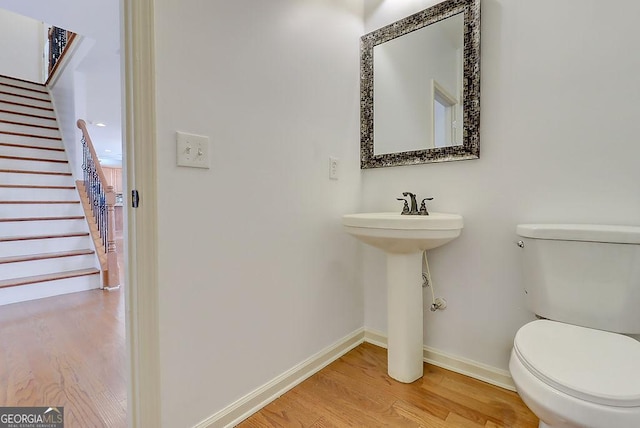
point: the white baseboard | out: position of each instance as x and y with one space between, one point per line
464 366
254 401
375 337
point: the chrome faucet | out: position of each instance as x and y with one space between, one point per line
414 205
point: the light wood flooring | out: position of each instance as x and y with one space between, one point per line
69 351
355 391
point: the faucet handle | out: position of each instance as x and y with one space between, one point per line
405 208
423 206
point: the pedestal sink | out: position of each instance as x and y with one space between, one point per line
404 238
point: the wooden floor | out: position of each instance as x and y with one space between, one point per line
71 351
67 351
355 391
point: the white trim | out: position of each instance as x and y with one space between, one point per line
470 368
437 88
375 337
254 401
260 397
142 318
464 366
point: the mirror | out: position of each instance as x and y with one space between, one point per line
420 88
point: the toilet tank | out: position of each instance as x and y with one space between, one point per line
586 275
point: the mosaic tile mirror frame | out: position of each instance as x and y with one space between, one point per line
467 145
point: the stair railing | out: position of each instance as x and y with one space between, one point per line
58 44
102 199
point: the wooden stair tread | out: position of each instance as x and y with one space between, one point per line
17 79
35 186
75 217
29 146
14 94
27 124
22 158
47 236
37 202
20 134
14 282
25 105
38 91
44 256
22 171
27 114
12 122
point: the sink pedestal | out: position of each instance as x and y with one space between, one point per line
404 238
404 316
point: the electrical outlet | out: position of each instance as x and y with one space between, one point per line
334 171
192 150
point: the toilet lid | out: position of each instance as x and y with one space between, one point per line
588 364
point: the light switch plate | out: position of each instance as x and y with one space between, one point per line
192 150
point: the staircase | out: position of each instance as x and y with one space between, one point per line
45 246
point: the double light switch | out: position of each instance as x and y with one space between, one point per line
193 150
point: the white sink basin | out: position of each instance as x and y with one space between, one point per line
404 238
397 233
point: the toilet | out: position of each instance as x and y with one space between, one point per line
578 364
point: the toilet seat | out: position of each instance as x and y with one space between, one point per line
591 365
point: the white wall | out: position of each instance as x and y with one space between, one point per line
559 143
256 273
69 96
20 46
103 103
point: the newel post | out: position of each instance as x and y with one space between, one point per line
113 276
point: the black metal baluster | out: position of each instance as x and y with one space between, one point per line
95 192
58 39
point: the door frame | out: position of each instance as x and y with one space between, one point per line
139 132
